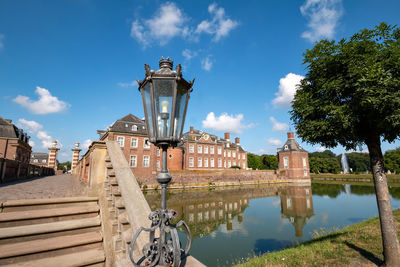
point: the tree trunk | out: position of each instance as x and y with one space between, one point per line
390 242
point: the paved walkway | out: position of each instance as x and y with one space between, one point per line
64 185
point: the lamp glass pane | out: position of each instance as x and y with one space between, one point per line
147 107
181 97
163 95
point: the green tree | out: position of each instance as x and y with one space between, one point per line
270 162
358 162
254 161
351 96
61 165
392 160
325 154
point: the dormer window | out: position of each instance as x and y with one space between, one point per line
126 125
286 147
134 128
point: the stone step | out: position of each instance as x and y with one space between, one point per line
46 213
43 228
40 245
82 258
30 202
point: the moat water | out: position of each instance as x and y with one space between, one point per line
229 225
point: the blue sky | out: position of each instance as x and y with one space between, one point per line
68 68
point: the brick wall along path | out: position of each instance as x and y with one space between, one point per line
64 185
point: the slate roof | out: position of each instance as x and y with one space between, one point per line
39 156
291 145
7 129
129 124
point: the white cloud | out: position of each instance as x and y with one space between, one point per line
31 143
188 54
206 63
167 23
274 142
287 90
278 126
44 105
86 144
321 149
1 41
219 26
132 83
323 16
33 127
225 122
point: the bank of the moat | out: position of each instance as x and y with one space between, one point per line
234 223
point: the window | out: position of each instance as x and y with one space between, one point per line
244 156
146 161
191 148
205 149
199 162
229 164
134 142
286 147
234 154
211 150
229 154
158 152
304 163
158 164
212 163
206 163
305 173
199 149
219 151
224 163
286 162
132 161
146 143
244 166
224 153
35 160
219 163
121 140
134 128
234 163
288 203
191 162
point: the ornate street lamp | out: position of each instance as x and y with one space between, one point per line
165 99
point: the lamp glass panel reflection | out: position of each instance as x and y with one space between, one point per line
181 97
147 106
163 95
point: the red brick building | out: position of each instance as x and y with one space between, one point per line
14 143
206 151
293 160
199 150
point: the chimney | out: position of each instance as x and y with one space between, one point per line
227 137
237 140
290 135
191 129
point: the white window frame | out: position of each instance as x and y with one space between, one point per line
158 152
243 156
305 173
199 149
229 164
135 161
224 163
219 150
285 162
134 128
224 153
134 138
191 162
234 154
205 162
191 148
234 163
144 161
212 163
219 163
229 154
304 164
121 141
146 146
35 160
158 164
244 165
205 149
199 163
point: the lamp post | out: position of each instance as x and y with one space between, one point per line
165 99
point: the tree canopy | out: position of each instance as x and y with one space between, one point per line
351 92
263 162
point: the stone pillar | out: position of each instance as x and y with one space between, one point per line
52 162
75 156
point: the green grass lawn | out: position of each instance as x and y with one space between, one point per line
356 245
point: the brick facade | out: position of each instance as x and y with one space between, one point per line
14 142
293 160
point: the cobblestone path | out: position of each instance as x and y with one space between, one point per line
64 185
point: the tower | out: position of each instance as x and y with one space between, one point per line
75 156
52 162
293 160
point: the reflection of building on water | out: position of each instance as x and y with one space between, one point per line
297 206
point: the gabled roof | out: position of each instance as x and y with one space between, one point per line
129 124
131 118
